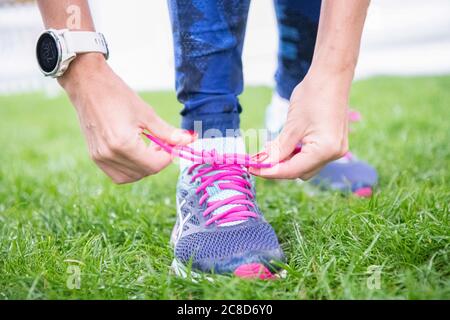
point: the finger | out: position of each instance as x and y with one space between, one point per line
112 162
166 132
133 171
115 170
152 160
117 175
302 165
133 157
283 146
141 158
146 159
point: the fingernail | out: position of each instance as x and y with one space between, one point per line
298 149
192 133
260 157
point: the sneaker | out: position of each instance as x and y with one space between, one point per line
219 227
347 174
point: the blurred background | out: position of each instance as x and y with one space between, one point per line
402 37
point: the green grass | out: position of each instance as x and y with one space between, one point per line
56 207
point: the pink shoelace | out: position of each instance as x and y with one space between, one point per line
233 179
229 168
210 157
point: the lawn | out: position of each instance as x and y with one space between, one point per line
59 215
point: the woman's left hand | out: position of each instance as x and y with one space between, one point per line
318 119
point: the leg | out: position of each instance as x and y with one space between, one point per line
298 22
219 226
208 41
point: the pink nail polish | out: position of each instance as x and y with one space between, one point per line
298 149
192 133
260 157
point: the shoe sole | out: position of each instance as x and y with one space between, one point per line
181 271
245 271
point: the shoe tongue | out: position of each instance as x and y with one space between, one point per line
217 194
228 145
220 145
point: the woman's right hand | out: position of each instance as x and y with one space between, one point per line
112 118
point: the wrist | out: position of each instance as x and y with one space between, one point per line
81 68
335 78
340 71
329 85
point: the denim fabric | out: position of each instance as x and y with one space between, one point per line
208 40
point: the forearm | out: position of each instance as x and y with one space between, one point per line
58 14
318 111
339 37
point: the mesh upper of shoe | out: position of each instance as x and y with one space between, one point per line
221 241
349 175
227 242
218 216
217 194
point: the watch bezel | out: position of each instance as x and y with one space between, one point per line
59 50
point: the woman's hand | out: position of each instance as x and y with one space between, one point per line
318 112
318 119
113 117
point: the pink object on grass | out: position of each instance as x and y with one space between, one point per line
364 192
253 271
354 116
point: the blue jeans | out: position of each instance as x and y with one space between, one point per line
208 40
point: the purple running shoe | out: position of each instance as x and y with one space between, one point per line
219 227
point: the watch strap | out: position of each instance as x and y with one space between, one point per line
86 41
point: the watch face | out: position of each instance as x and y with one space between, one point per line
47 52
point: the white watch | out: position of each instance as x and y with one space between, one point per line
56 49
